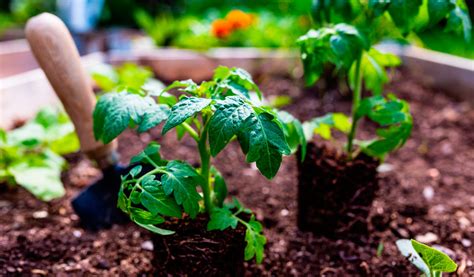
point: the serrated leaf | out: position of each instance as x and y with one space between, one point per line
188 86
136 170
340 45
221 219
394 115
265 142
234 88
144 217
114 112
236 79
181 180
150 154
255 241
135 197
227 120
154 115
156 201
185 108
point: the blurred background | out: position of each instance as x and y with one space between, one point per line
101 25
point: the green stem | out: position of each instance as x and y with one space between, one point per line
205 169
191 131
355 105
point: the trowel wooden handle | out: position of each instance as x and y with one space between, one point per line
54 49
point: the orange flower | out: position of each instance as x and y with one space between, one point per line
221 28
239 19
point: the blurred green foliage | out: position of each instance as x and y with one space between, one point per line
441 25
16 12
30 156
269 30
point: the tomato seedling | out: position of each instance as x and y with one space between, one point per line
431 262
349 47
30 155
212 113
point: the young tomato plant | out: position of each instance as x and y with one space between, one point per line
431 262
30 155
350 49
212 113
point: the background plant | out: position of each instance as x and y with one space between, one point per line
126 76
430 261
350 49
217 29
30 155
212 113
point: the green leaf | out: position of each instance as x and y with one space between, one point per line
404 12
181 180
255 241
155 229
460 22
105 76
406 248
3 136
235 79
156 201
153 116
322 125
227 120
340 45
294 133
263 141
141 216
438 9
234 88
220 187
136 170
40 175
379 6
43 182
221 219
185 108
427 259
392 114
435 259
115 111
187 86
150 154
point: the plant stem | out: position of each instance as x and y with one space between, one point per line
355 105
205 167
191 131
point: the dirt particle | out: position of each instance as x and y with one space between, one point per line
147 245
427 238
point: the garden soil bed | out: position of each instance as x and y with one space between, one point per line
429 192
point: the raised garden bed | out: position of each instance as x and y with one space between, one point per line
426 193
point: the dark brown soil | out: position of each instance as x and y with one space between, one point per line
197 252
428 192
335 194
